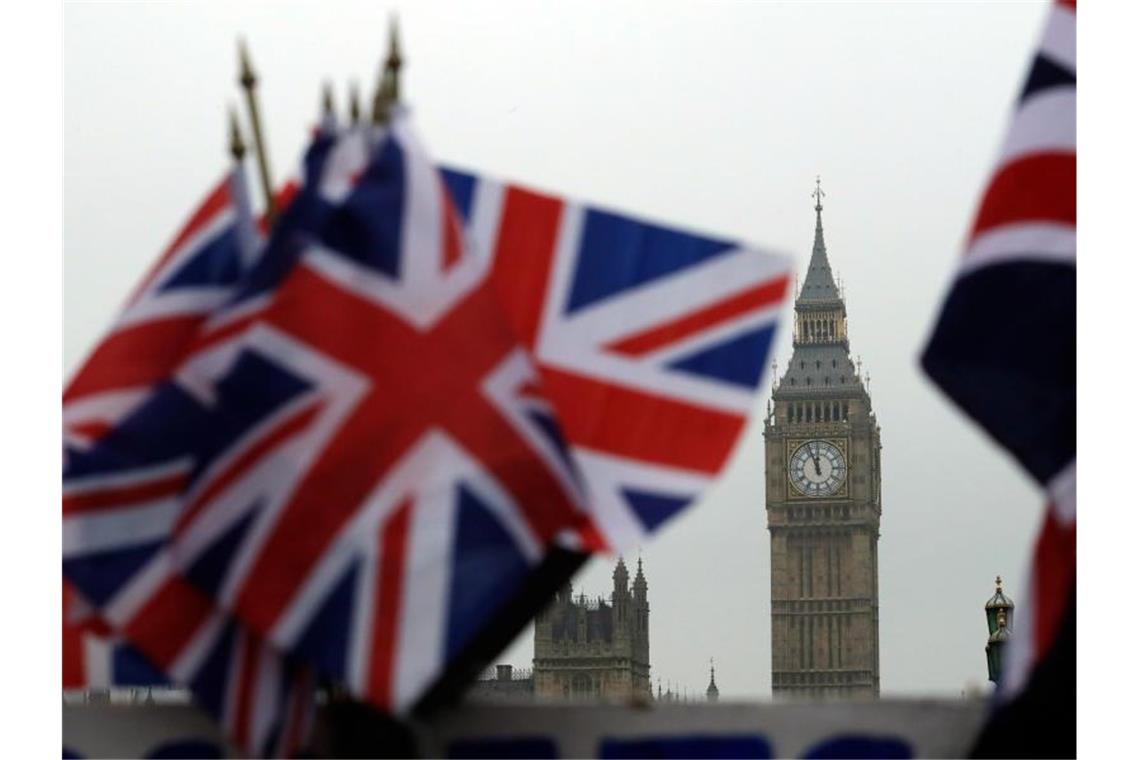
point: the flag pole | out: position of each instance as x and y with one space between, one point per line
354 104
328 108
388 88
248 81
395 61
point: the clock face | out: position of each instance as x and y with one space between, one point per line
817 468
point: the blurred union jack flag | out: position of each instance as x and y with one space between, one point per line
650 341
1004 349
425 384
265 701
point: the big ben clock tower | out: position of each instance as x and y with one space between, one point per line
823 503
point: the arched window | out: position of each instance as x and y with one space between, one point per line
844 410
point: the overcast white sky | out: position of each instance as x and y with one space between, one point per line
712 116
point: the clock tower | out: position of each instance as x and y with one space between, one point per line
823 503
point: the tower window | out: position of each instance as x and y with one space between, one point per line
833 364
818 364
808 381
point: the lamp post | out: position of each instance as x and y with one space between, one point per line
999 619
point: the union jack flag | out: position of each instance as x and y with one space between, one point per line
1004 348
650 341
370 445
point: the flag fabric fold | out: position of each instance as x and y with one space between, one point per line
1004 350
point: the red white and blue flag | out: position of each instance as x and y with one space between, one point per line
426 383
1004 347
650 341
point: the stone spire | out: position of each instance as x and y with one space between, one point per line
819 284
621 579
712 692
639 584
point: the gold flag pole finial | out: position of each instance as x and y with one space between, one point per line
388 88
354 103
328 109
237 145
395 61
248 81
380 100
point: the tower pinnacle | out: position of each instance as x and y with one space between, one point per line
819 284
712 693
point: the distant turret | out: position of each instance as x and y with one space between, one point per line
640 587
621 579
712 692
640 615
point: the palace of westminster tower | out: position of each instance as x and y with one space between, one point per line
823 503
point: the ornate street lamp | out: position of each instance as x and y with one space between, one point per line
999 618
